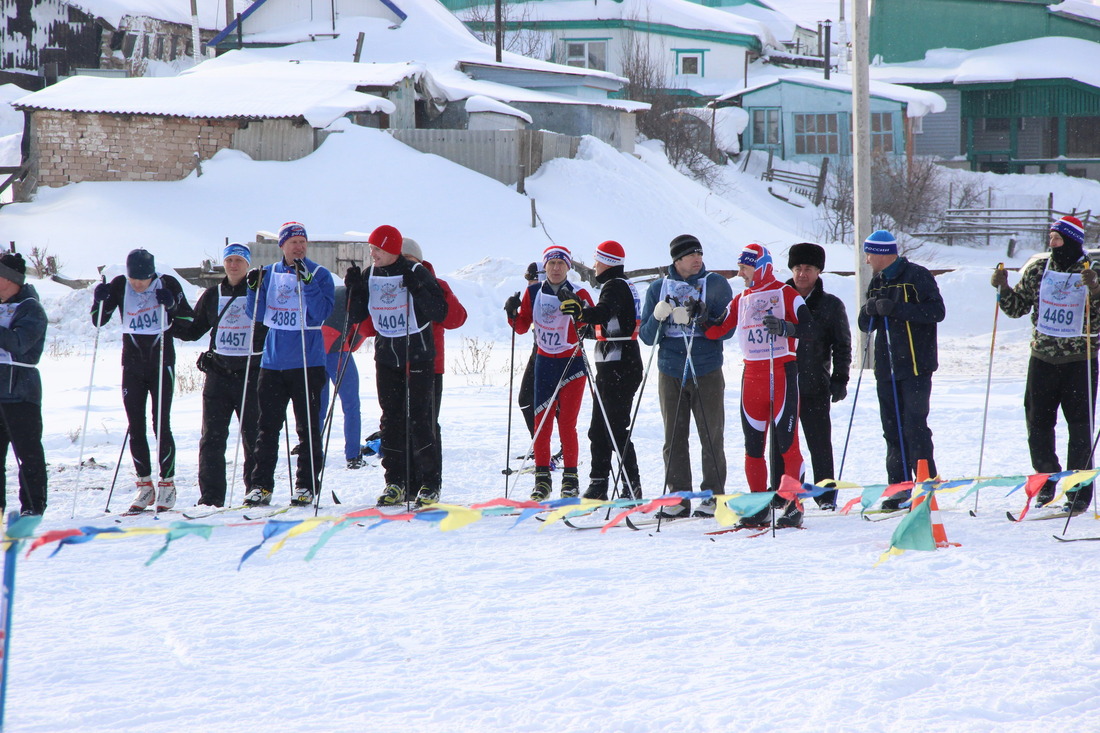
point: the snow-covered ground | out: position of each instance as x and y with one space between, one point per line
499 628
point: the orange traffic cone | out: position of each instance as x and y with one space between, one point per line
939 534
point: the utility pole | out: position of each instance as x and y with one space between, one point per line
861 153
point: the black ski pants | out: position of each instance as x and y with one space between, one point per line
616 383
138 382
1050 386
914 395
437 395
221 399
277 387
21 427
817 429
526 398
420 432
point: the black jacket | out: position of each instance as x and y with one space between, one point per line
825 352
207 316
140 349
428 303
24 339
617 315
918 307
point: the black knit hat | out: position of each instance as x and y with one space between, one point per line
806 253
140 265
684 245
12 267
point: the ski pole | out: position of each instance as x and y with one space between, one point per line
159 430
897 403
988 384
286 439
305 385
508 441
855 397
408 402
1088 385
244 389
641 389
342 365
118 464
88 408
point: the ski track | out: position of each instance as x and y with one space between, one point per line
536 628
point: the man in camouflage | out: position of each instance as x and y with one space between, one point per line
1062 369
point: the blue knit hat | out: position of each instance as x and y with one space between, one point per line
291 229
881 242
238 249
1070 229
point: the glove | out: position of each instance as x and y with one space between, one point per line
680 316
1089 280
884 306
166 299
662 310
1000 278
511 306
775 326
869 308
838 390
353 278
101 293
572 308
411 282
532 273
302 273
252 279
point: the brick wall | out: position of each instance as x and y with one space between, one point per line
78 146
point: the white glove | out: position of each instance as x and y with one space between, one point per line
662 310
680 315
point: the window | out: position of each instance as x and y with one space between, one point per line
689 65
816 134
996 124
882 132
765 127
586 54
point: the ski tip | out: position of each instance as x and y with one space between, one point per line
973 513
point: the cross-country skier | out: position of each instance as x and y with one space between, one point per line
402 299
559 369
615 318
1054 292
824 360
221 312
769 317
292 297
689 365
151 307
22 337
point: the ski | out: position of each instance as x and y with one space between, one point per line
636 526
1076 539
885 516
268 513
1053 515
218 510
727 530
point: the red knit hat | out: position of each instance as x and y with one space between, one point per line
387 238
1070 228
610 253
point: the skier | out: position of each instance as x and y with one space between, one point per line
402 300
338 358
221 312
904 296
1058 373
690 368
616 318
559 372
22 337
292 297
769 317
824 360
148 365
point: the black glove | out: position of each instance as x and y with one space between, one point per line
302 272
101 293
166 299
353 278
775 326
838 390
252 279
572 308
412 283
511 306
532 273
884 306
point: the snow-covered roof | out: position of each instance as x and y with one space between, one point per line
318 101
211 12
1077 8
675 13
807 13
918 101
478 103
246 68
1051 57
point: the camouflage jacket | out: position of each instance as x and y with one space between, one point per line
1023 299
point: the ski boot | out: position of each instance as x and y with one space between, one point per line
570 483
258 497
166 494
145 495
543 487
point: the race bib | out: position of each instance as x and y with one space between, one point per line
283 311
1062 302
141 314
551 325
389 306
684 294
7 312
231 338
756 343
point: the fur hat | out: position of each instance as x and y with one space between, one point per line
806 253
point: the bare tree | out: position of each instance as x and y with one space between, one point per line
525 38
